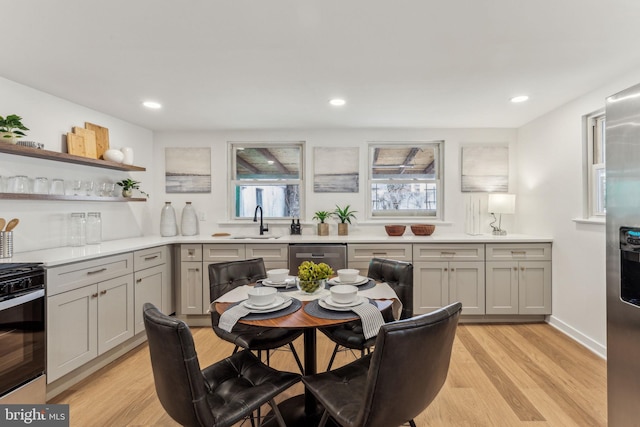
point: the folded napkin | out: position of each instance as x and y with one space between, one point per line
371 319
384 291
229 318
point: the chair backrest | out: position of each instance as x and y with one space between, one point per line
179 382
408 367
399 275
225 276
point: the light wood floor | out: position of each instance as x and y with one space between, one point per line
500 375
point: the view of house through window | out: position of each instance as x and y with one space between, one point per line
269 175
405 179
596 163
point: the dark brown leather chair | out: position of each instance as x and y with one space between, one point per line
396 382
218 396
399 275
225 276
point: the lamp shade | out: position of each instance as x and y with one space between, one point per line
502 203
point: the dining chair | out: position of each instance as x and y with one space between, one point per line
226 276
395 383
220 395
349 336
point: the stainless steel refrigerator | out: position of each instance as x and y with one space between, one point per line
623 257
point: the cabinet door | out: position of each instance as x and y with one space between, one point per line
534 287
115 312
466 284
502 287
148 288
71 330
191 288
430 286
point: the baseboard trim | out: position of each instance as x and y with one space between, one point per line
578 336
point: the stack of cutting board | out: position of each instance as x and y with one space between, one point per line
91 141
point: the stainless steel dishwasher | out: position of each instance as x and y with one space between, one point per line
333 254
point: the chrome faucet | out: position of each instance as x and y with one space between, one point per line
263 228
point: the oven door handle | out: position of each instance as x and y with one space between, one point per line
5 305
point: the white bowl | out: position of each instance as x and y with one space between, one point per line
348 275
278 275
344 294
262 295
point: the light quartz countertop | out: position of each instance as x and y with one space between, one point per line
64 255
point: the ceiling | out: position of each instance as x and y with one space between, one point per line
241 64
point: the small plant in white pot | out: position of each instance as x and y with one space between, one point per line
11 128
128 185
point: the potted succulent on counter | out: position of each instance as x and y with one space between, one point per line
344 215
128 185
11 128
323 227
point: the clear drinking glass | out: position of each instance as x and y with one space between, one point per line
19 184
88 187
41 185
75 185
57 187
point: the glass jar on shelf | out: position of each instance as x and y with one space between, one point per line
94 228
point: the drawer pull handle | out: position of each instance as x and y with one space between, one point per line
445 269
149 258
103 292
139 280
521 268
94 295
515 268
518 252
379 253
97 271
442 253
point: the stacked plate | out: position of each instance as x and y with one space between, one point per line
330 304
360 280
278 303
286 283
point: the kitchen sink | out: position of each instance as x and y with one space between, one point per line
255 237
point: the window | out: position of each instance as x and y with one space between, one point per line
596 164
269 175
405 179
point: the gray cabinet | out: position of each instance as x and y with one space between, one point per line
447 273
519 278
152 273
359 254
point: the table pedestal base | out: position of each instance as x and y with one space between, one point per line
294 414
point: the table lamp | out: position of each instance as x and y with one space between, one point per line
501 204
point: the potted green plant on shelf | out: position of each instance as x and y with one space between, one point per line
323 227
128 185
11 128
344 215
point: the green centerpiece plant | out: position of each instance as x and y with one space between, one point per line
312 276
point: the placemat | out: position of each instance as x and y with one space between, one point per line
295 306
314 309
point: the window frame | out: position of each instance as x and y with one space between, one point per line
438 181
234 182
595 192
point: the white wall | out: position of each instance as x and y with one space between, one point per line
215 206
43 223
550 196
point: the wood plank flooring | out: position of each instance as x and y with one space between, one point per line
500 375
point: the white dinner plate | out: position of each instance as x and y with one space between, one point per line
278 304
361 280
288 282
330 301
322 302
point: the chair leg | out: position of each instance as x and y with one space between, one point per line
324 419
276 412
268 358
295 355
412 423
235 350
333 356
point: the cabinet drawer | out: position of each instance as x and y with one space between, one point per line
519 251
150 257
268 252
364 252
458 252
223 252
190 252
73 276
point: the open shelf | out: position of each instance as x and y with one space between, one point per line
19 150
23 196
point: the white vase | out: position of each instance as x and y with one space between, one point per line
168 224
189 221
128 155
113 155
8 137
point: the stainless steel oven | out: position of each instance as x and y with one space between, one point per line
22 334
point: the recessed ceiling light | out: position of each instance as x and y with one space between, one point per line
152 104
270 162
337 102
520 98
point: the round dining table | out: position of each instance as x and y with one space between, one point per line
302 410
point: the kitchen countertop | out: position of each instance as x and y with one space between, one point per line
64 255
